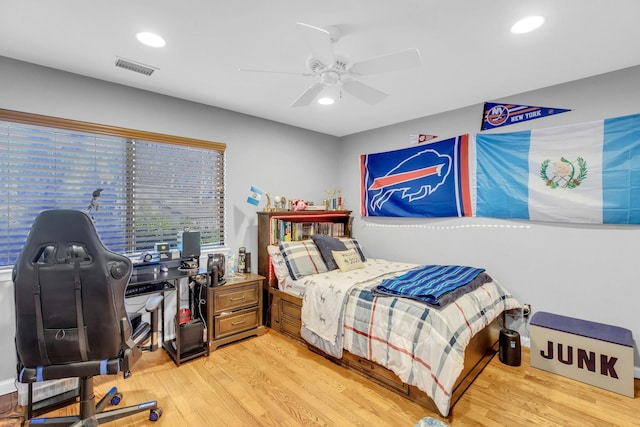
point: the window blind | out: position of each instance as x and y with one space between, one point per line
148 190
174 188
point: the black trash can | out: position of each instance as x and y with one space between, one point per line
510 350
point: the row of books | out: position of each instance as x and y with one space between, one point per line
287 231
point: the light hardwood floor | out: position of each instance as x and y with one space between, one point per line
274 381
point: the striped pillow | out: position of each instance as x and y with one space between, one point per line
302 258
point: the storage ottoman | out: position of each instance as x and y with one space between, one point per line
594 353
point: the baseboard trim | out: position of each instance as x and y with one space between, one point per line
8 386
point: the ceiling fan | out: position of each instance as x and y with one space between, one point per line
336 72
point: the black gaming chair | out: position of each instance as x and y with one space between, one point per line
70 314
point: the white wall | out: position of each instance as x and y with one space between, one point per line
259 152
588 272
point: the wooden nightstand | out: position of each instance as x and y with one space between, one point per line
235 310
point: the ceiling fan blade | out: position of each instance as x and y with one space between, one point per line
256 70
362 91
320 43
408 58
308 95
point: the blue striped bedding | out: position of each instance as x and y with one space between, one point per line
433 284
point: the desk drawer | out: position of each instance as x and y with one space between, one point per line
236 297
238 321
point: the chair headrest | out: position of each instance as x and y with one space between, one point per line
62 236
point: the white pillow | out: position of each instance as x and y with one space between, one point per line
347 260
279 265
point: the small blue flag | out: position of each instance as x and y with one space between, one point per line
255 194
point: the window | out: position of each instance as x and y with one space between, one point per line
140 188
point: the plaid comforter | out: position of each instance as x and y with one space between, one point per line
423 345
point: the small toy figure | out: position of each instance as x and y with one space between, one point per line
298 205
94 200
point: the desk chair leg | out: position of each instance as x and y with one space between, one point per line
113 397
91 414
114 414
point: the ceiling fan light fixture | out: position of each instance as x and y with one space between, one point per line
326 100
527 24
329 94
151 39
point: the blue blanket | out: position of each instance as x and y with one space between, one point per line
429 283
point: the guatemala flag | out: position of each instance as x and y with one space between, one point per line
583 173
255 194
430 180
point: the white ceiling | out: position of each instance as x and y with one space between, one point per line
468 54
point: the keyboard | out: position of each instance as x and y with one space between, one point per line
133 290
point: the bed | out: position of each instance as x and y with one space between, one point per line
427 351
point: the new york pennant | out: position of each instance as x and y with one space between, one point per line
430 180
497 115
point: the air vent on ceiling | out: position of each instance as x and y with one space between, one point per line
134 66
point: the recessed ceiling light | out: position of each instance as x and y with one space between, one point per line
326 100
527 24
151 39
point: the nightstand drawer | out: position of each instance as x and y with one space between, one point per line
236 297
238 321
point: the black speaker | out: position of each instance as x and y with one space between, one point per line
510 350
190 244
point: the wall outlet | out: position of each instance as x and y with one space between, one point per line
526 310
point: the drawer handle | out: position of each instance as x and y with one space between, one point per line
236 298
239 323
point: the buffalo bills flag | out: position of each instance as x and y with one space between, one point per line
430 180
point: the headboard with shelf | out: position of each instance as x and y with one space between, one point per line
296 225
